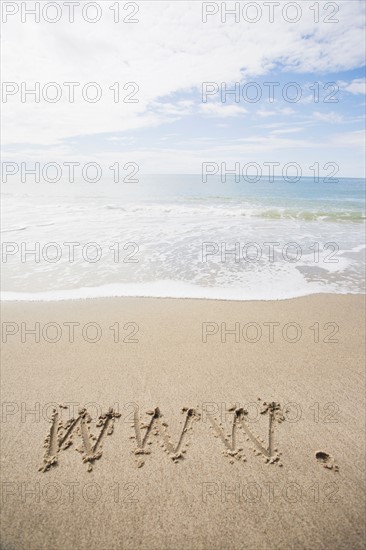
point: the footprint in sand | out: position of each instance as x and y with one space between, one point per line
326 460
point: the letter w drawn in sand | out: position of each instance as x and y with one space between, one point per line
61 437
157 427
269 453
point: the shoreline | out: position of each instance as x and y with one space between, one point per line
117 297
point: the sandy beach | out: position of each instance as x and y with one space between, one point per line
256 442
183 275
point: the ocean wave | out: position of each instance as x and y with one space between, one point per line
178 289
246 211
309 215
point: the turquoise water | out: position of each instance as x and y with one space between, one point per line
182 232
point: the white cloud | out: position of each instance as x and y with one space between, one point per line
357 86
265 113
287 111
180 108
170 50
287 131
353 140
222 110
332 117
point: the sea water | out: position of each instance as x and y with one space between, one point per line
175 236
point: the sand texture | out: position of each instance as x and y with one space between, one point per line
184 441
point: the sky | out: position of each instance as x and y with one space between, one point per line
169 54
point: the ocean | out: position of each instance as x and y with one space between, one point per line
175 236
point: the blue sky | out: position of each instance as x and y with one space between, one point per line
170 53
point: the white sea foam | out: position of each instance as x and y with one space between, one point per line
170 289
170 232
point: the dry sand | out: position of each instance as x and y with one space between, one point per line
218 493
